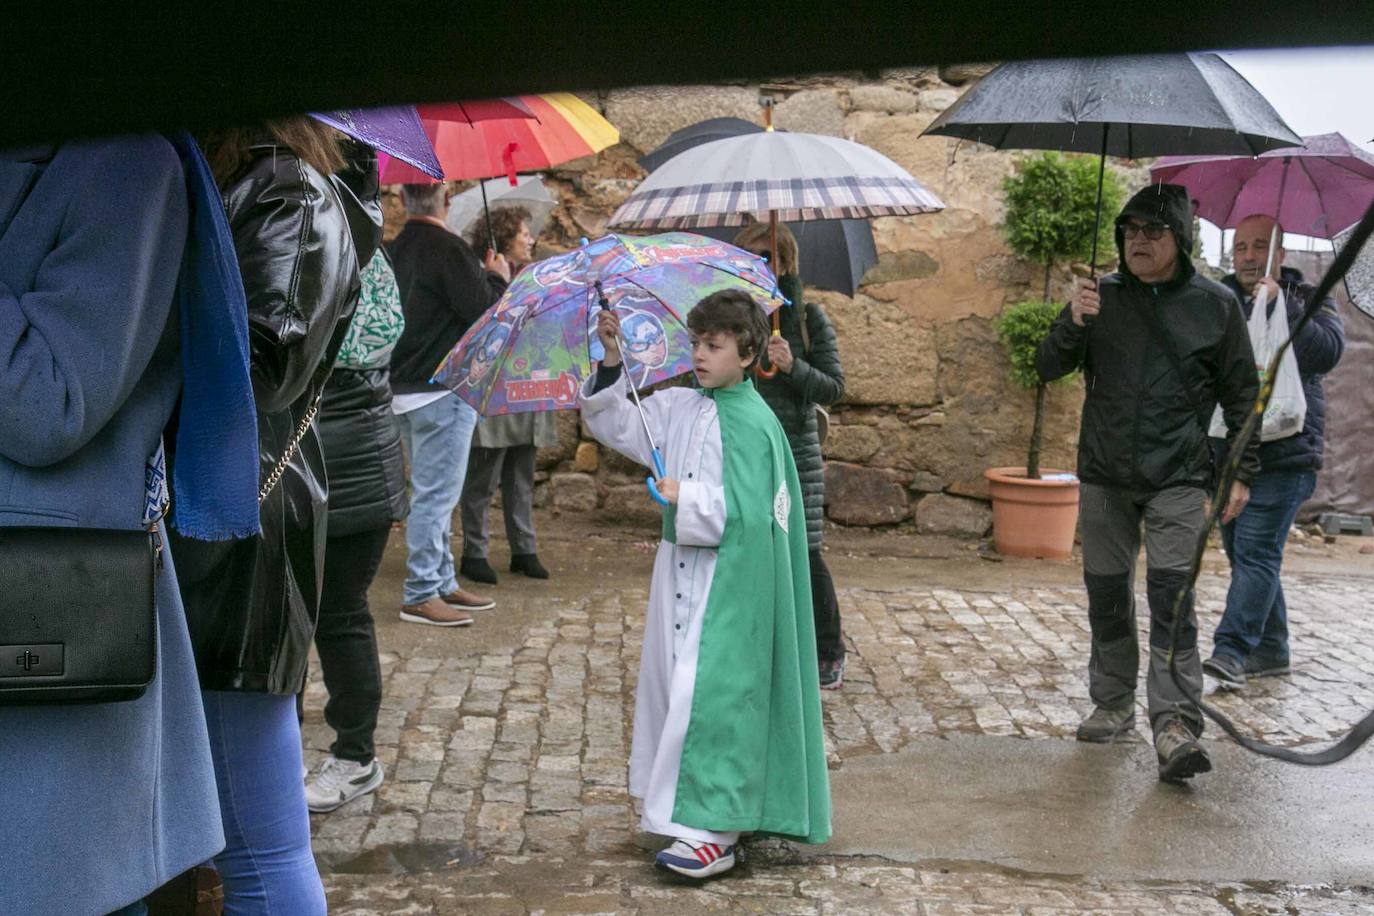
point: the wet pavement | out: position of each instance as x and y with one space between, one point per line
958 785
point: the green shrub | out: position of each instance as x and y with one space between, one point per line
1021 328
1051 208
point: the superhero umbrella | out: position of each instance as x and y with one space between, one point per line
535 347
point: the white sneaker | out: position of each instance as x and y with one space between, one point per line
695 859
338 782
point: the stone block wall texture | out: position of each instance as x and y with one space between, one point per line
929 405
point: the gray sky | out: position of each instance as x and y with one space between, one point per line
1317 91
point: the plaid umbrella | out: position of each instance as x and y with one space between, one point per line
773 174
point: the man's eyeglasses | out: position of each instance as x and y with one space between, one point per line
1153 231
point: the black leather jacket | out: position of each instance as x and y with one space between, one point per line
252 604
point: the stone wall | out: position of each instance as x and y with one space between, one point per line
928 404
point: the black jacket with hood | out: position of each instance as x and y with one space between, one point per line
1142 430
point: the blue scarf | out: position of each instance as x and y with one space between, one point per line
215 476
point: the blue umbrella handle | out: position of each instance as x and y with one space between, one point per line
652 482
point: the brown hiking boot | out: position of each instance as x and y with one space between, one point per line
1180 755
436 613
467 600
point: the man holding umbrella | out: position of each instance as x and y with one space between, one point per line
1160 346
1252 638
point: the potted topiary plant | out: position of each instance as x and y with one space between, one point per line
1050 218
1033 514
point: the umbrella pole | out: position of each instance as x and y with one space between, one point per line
1278 209
655 454
486 212
1097 221
773 265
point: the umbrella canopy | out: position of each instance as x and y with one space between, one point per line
790 175
834 254
1359 280
533 349
395 131
1129 107
562 128
685 138
1320 189
529 192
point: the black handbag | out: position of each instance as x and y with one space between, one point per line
77 615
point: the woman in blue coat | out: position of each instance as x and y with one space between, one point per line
103 802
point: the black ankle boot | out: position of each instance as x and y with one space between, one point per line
528 564
477 569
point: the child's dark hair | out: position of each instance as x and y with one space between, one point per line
732 312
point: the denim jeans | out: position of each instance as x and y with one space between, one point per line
436 437
1256 618
266 865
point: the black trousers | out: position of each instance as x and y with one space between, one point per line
347 642
829 640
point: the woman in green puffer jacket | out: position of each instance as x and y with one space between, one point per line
806 355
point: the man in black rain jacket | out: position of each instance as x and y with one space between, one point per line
1160 346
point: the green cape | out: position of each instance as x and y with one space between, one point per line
754 755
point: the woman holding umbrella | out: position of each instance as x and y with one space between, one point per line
503 447
806 374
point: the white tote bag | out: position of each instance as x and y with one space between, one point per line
1287 408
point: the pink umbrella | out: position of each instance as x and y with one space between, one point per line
1320 189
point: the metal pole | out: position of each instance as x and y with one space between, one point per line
1097 222
486 212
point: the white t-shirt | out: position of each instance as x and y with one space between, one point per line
405 403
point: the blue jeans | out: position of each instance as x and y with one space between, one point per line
1256 618
266 865
437 437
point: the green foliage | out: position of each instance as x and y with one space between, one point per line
1021 327
1051 206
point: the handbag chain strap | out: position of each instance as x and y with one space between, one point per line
289 453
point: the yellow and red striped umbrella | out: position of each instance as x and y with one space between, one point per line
469 145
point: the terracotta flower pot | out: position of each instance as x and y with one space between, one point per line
1033 518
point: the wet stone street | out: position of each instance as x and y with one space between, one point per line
506 786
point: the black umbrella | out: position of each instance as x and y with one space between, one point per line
835 253
1144 105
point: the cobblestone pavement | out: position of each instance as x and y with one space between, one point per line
506 770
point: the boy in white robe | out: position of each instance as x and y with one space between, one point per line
727 728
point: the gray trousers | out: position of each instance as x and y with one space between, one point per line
1111 521
513 469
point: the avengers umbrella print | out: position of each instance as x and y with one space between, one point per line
533 349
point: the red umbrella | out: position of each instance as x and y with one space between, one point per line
478 142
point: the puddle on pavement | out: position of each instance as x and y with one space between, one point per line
401 859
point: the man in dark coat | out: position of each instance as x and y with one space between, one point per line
1252 638
444 289
1159 345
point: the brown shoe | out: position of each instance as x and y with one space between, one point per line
468 601
436 613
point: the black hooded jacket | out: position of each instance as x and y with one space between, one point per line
1141 428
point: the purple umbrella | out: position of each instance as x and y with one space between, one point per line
1320 189
395 130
